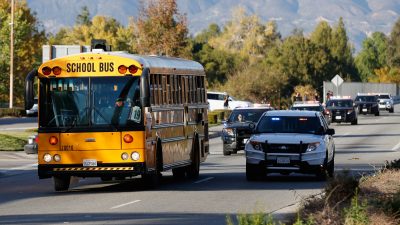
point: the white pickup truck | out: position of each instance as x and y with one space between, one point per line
216 101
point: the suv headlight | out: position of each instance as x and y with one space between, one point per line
312 146
350 111
256 145
228 131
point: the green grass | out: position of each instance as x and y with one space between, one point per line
14 141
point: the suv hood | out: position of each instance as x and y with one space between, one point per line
287 138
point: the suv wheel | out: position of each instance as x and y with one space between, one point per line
354 122
377 113
226 151
391 110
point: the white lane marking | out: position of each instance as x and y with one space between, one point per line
204 180
396 147
29 166
125 204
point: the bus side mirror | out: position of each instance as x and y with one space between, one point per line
29 93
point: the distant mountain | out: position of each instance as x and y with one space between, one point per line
361 17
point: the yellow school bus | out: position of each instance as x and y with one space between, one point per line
116 115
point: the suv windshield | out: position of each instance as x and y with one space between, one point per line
289 124
339 103
383 97
249 115
366 98
89 102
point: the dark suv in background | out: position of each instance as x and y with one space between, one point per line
367 104
342 110
237 129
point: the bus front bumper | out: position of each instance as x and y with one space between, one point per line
112 170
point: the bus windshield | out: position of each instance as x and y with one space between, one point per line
73 103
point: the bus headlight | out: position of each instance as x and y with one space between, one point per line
57 158
47 157
135 156
125 156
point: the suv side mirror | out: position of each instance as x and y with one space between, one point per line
252 127
330 131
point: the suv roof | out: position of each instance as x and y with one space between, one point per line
306 103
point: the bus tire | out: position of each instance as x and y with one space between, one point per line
194 169
61 183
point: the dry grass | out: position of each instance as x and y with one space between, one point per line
380 192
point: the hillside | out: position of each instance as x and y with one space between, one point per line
362 17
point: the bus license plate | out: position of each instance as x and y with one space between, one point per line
89 162
283 160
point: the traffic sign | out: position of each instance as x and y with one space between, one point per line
337 80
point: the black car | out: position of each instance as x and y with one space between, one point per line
367 104
342 110
237 129
312 106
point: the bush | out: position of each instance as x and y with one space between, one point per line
223 114
212 118
13 112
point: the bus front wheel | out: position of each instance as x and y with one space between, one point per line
61 183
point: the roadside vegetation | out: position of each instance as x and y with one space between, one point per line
369 200
14 141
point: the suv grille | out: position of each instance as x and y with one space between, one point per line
284 148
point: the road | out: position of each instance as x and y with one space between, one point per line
220 190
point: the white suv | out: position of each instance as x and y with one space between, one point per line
290 141
216 101
385 102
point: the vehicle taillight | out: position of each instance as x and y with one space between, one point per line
128 138
37 139
53 140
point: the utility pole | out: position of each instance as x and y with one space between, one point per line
12 55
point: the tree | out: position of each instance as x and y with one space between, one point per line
264 83
100 27
372 56
84 17
247 36
394 46
162 29
342 52
28 41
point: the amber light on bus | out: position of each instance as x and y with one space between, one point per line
122 69
56 70
46 70
53 140
128 138
133 69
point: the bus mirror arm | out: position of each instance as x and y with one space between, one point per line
29 93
